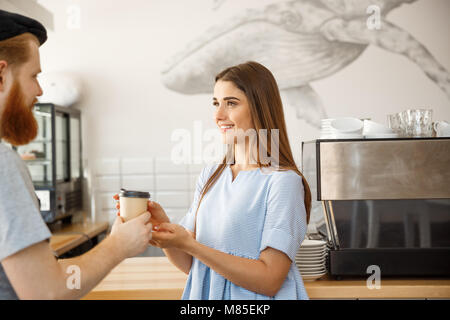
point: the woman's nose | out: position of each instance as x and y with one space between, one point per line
221 112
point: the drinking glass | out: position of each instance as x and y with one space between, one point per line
417 122
395 123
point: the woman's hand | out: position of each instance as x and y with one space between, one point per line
158 244
158 214
169 235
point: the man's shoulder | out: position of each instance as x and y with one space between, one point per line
8 158
6 151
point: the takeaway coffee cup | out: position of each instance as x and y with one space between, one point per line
132 203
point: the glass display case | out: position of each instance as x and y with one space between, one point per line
54 161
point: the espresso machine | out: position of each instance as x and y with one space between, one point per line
385 202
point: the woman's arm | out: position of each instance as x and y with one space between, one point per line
264 275
179 259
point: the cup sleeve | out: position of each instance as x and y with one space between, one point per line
285 221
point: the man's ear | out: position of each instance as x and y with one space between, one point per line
3 69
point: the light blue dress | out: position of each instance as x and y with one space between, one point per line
261 208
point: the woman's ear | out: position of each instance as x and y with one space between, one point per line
3 69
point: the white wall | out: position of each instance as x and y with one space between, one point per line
128 114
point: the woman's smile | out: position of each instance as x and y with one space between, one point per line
226 127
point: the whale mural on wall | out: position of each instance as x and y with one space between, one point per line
300 41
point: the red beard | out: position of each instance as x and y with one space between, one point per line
18 125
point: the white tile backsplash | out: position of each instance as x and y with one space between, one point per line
107 166
139 182
196 168
107 184
169 184
138 166
106 201
167 166
175 182
169 199
175 215
193 181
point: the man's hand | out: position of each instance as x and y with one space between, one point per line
47 277
158 214
133 236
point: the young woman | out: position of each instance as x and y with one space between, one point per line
248 219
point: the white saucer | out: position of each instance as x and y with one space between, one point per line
308 243
310 260
312 273
318 267
307 254
311 255
306 249
381 136
318 259
309 265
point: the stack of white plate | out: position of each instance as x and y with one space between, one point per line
326 132
341 128
310 259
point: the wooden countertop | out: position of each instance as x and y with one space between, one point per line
153 278
70 236
156 278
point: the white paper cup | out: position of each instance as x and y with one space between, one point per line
132 203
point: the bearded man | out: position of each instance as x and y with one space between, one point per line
28 268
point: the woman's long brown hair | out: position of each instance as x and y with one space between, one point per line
266 109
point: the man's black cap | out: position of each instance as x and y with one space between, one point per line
13 24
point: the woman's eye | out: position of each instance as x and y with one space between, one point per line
229 104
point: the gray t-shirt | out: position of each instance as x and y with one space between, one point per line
21 223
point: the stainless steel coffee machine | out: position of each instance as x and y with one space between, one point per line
385 202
